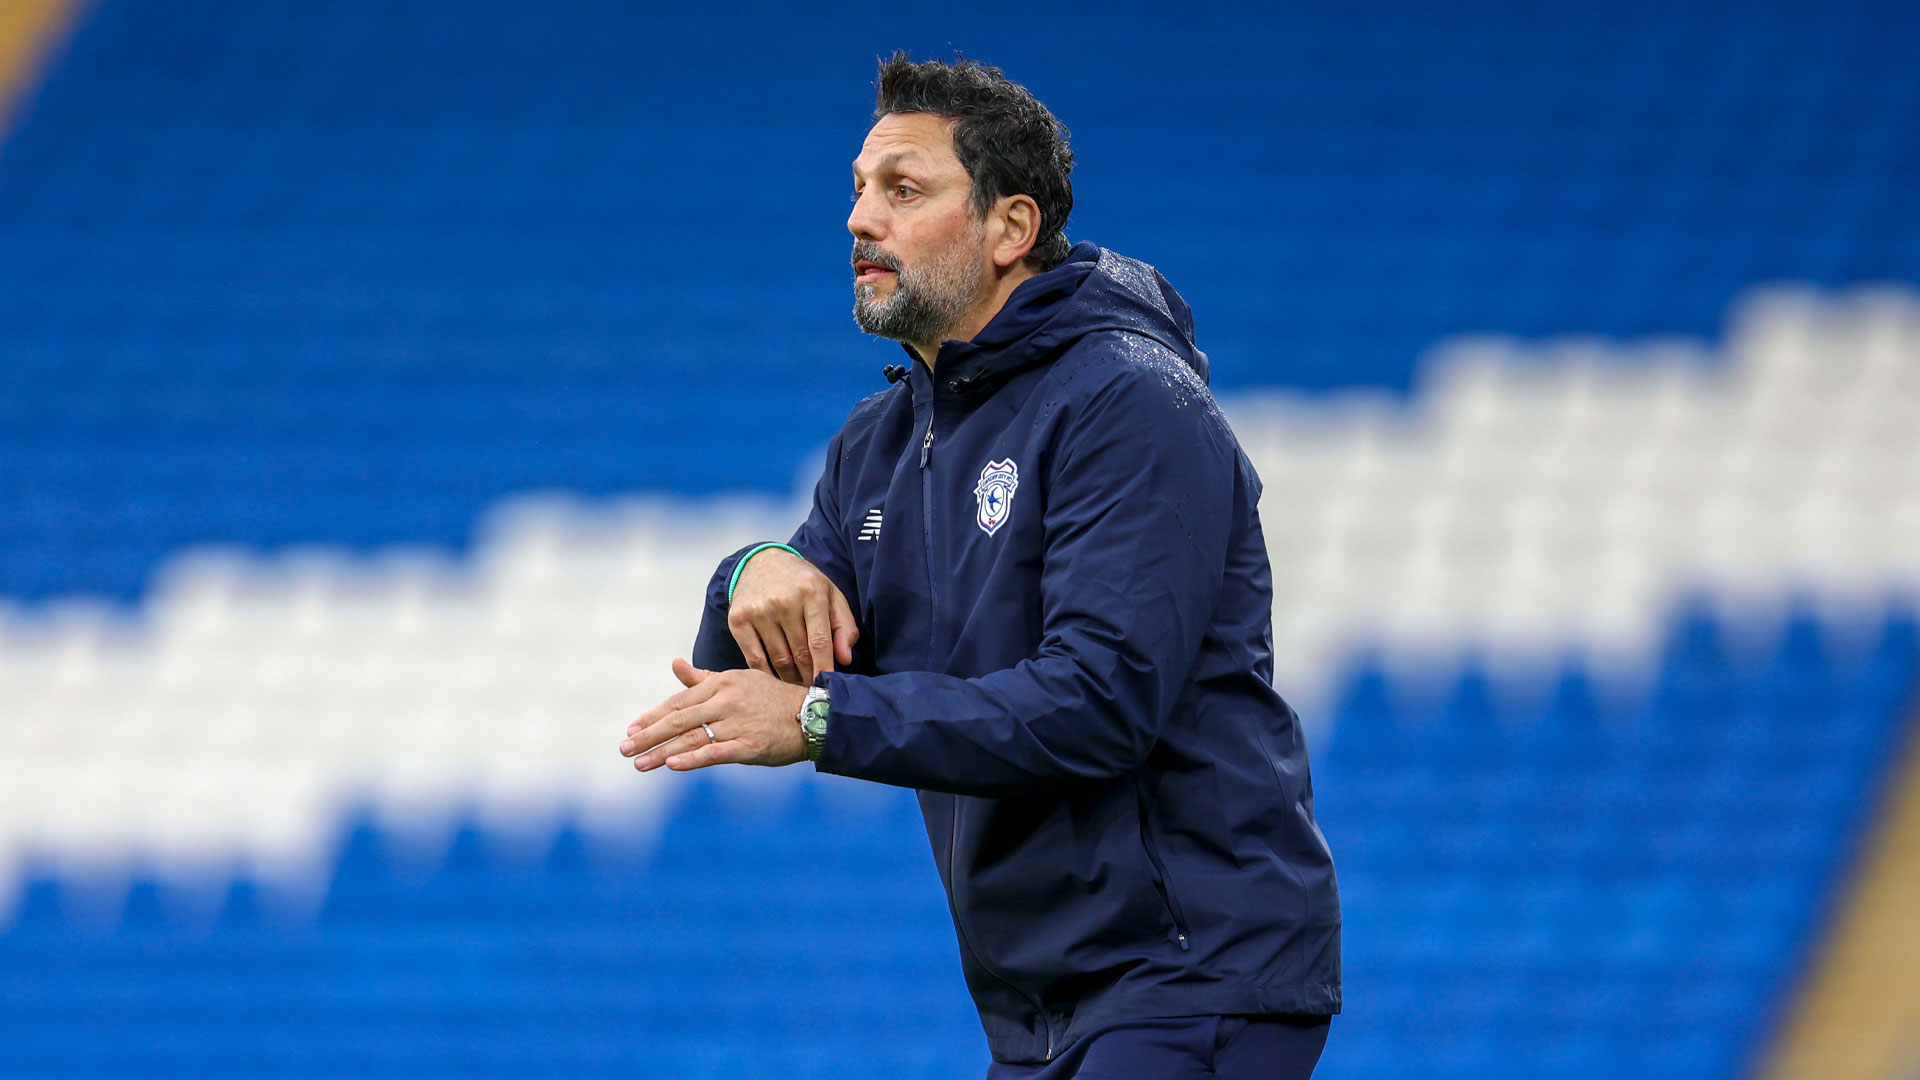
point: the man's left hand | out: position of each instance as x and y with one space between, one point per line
752 718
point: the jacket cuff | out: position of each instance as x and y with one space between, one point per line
835 749
713 646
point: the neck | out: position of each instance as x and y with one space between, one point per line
977 316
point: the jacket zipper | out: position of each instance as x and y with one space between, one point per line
1165 885
926 522
953 839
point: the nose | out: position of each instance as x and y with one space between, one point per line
866 221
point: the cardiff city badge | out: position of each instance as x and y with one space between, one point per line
998 481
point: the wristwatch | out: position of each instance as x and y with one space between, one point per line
813 720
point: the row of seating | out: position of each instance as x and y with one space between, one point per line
1620 877
1559 883
438 236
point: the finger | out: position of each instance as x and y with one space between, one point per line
845 629
670 727
684 741
692 695
688 674
819 635
689 740
779 652
793 624
675 724
747 636
730 750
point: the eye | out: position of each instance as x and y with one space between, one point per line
902 191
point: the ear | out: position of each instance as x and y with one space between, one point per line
1019 220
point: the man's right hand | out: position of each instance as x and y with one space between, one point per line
790 619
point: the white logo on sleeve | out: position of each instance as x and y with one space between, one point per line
870 527
998 481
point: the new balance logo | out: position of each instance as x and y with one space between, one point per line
870 528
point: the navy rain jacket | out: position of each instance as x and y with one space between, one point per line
1052 548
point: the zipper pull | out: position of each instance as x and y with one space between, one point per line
926 448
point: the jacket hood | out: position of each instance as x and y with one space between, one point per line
1094 290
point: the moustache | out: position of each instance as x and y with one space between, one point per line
870 252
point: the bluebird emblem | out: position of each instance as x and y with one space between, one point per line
998 481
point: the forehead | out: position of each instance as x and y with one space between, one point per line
921 139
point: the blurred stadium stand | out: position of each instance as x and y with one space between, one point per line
1577 882
379 382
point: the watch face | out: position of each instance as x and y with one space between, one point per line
815 717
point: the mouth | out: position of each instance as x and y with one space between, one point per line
867 272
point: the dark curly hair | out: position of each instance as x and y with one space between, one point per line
1006 140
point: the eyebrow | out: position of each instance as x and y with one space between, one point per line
890 161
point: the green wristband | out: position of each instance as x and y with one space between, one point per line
751 552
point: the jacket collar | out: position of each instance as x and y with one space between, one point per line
1020 335
1093 290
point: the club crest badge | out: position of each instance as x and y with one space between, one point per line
998 481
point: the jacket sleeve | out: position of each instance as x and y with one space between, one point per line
1138 512
818 539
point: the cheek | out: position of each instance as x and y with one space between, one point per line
948 241
915 240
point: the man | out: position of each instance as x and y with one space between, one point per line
1033 586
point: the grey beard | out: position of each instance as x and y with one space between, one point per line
925 304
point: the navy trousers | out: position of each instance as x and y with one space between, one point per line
1187 1048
